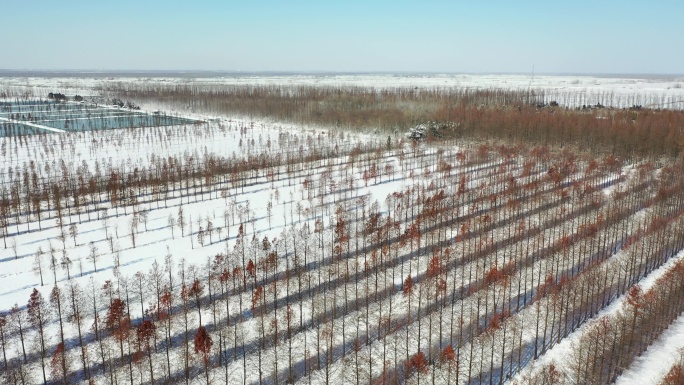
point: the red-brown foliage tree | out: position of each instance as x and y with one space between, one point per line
417 363
57 363
203 343
38 317
408 286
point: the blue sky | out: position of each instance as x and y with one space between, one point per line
598 36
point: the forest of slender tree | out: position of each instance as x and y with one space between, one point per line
239 253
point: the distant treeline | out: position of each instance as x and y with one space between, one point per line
488 114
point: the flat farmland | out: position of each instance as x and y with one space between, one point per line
45 116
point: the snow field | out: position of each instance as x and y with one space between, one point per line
319 226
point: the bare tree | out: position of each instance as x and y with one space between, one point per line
14 248
134 228
65 262
59 366
17 319
210 229
144 215
172 223
93 255
53 263
73 232
181 221
38 316
3 333
76 316
38 264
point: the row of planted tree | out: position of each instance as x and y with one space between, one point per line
483 260
611 343
31 192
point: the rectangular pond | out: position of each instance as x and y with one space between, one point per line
29 117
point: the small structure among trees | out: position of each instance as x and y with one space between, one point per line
59 97
424 130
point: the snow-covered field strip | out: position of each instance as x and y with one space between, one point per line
42 127
651 367
647 369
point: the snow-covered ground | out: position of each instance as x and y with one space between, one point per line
157 240
328 188
651 367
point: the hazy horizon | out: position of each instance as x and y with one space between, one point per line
235 73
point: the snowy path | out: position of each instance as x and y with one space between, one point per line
560 354
653 364
32 125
